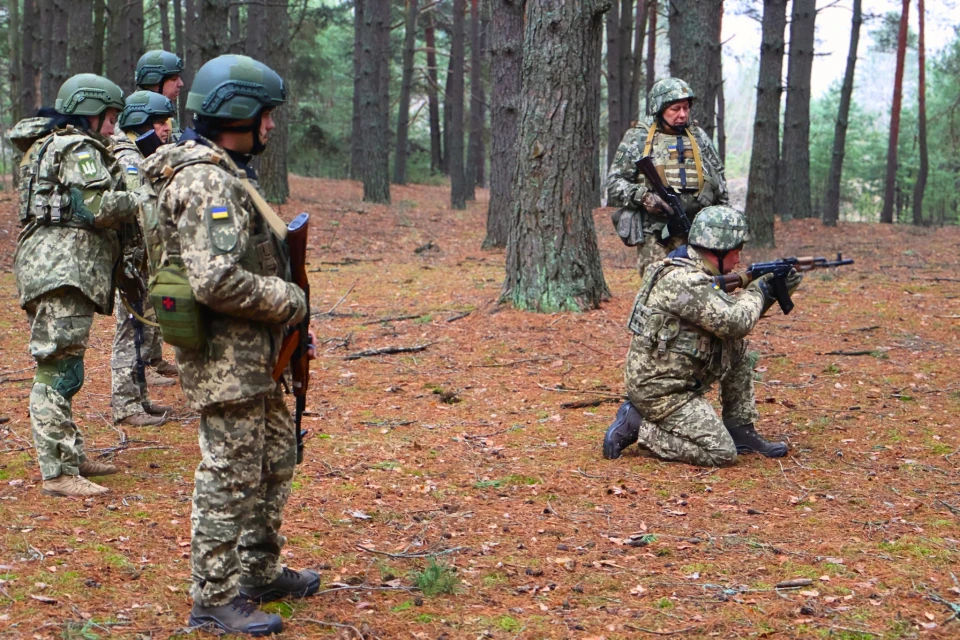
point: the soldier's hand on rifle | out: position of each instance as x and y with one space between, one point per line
764 285
793 280
653 203
312 341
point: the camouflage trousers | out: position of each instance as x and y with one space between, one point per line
129 393
652 251
694 433
60 322
243 481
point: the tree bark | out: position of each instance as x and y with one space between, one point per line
889 193
447 110
191 55
178 28
30 95
553 263
794 174
15 72
99 34
626 64
236 36
921 185
476 121
374 163
164 7
276 55
48 87
214 20
613 80
721 100
764 158
79 43
636 84
356 136
436 151
694 44
481 160
506 63
458 190
651 52
831 202
406 84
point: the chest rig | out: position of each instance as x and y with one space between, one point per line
677 158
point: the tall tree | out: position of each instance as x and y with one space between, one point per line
626 63
613 80
79 43
236 35
190 55
651 51
276 55
164 6
890 184
481 150
764 159
406 84
506 62
356 136
476 117
553 262
15 71
213 39
125 40
458 190
794 174
447 111
921 185
831 200
637 75
433 84
30 97
721 100
374 164
694 45
99 34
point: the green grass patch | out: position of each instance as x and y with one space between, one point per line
281 608
437 578
508 624
663 604
403 606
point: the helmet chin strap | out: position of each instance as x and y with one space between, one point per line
676 127
254 128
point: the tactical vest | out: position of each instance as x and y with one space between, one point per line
680 150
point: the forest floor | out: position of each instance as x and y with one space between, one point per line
462 468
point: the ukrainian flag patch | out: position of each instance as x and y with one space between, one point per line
86 163
132 171
219 213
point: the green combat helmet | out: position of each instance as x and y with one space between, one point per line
234 87
665 91
86 94
142 106
155 66
718 228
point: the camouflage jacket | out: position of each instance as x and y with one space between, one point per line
624 189
70 252
685 332
237 267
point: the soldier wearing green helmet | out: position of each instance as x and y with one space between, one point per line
144 126
685 158
159 71
222 248
72 203
688 334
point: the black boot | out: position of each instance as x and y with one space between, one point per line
623 432
239 616
298 584
749 441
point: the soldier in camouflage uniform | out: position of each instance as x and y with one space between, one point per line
144 118
685 159
159 71
72 203
688 334
214 231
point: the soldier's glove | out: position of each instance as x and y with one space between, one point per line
764 284
653 203
793 280
79 207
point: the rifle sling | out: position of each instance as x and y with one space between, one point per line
131 311
276 223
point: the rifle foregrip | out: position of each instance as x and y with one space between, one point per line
782 294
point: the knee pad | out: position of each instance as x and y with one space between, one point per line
64 376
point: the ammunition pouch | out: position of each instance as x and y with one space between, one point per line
63 376
665 333
179 314
629 225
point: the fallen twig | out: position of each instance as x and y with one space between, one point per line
459 316
660 632
410 555
392 319
334 307
846 353
512 362
580 404
599 393
325 623
386 351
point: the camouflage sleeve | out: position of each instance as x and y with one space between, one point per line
214 237
622 185
711 157
693 297
82 167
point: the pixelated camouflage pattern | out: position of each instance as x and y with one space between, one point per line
60 324
719 227
52 256
665 91
624 189
237 268
242 483
706 316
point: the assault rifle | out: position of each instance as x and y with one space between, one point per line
779 268
296 344
678 224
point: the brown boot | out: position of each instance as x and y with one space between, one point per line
71 486
156 409
154 379
90 468
165 368
144 420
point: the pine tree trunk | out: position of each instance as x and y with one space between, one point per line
636 84
764 159
15 71
481 160
374 161
356 136
214 20
178 28
831 203
48 86
721 100
626 64
164 7
436 151
890 184
191 54
651 52
136 41
553 262
99 33
276 54
79 43
476 122
613 80
922 123
458 190
794 174
30 95
406 84
694 44
447 110
506 62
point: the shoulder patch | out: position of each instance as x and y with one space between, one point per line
219 212
221 229
86 163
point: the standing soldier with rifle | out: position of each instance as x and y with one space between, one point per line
224 296
159 71
144 125
686 162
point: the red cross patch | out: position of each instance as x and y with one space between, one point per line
169 303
